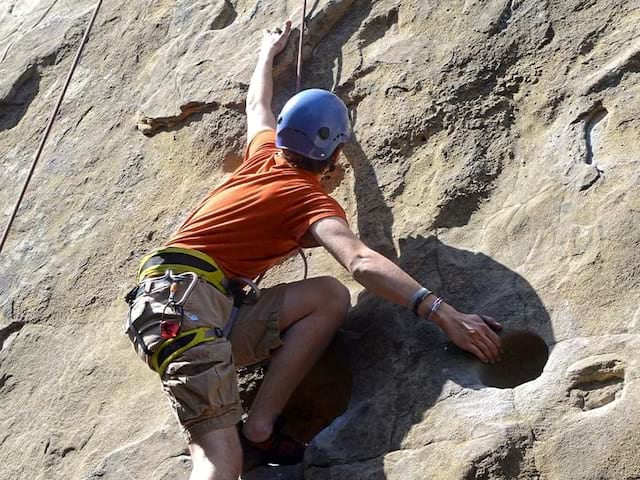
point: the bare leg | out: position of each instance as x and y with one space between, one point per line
312 313
217 455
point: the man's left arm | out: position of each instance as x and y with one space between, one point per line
259 114
472 332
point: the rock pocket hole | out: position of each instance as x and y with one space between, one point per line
8 333
225 16
595 383
594 133
525 355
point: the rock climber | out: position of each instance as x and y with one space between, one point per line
271 206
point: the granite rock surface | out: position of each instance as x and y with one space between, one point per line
495 157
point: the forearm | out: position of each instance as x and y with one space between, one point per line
381 276
261 85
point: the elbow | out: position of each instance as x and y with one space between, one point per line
360 266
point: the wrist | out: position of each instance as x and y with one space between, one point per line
266 56
444 313
433 308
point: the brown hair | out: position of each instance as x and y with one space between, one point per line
300 161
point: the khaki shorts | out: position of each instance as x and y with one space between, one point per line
201 382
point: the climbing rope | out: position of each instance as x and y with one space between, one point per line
298 87
76 61
45 136
299 67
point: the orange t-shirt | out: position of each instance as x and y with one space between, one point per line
259 215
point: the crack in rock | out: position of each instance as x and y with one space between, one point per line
593 122
149 126
7 332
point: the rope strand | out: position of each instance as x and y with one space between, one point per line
47 131
299 67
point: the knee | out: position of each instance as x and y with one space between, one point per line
335 298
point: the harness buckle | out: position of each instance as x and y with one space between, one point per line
131 295
237 286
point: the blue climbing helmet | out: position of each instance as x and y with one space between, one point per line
313 123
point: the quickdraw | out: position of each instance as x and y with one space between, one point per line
170 321
170 327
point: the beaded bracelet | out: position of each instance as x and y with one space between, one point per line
434 307
418 298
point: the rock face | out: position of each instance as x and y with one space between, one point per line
495 157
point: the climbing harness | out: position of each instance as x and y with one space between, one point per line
172 313
167 268
47 131
299 66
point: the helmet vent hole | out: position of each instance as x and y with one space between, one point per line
324 133
279 120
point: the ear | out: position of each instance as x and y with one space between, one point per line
334 158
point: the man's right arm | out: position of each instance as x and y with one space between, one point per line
384 278
259 114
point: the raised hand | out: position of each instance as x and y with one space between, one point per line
274 41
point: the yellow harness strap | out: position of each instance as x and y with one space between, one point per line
180 260
173 347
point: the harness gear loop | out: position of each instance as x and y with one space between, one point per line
131 328
173 312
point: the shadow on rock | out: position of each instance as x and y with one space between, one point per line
375 391
403 366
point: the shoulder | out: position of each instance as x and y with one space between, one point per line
261 141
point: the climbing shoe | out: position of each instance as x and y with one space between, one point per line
279 449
